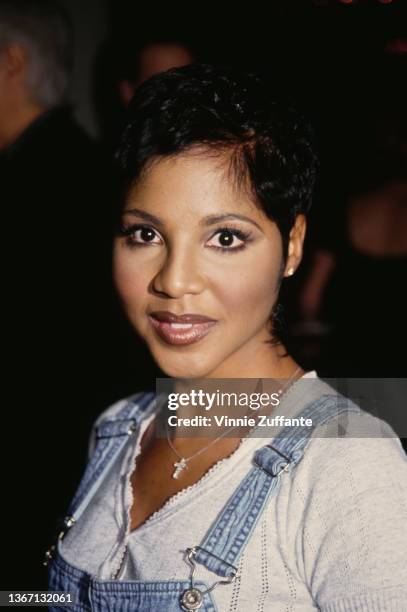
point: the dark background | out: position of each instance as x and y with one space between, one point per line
335 58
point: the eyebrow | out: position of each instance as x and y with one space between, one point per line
144 215
206 221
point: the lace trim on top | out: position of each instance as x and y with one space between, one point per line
174 498
129 465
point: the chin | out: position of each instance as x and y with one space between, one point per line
183 366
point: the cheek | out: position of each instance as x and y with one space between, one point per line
250 291
130 280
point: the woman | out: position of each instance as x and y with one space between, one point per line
217 179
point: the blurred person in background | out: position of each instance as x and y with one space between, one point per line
48 187
55 284
35 65
356 278
126 63
152 58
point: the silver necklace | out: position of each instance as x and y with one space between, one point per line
182 464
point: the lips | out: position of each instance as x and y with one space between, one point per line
180 329
169 317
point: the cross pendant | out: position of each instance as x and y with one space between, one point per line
179 466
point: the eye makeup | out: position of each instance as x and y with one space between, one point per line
128 232
242 235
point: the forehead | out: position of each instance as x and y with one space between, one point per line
193 183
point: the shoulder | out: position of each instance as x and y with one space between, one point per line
352 452
348 508
112 411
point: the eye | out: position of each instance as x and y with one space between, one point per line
140 235
229 239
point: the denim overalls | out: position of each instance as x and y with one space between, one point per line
225 540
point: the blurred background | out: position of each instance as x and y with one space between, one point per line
71 351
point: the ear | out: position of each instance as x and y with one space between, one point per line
15 60
126 91
295 245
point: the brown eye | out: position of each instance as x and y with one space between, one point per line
226 239
140 235
229 239
146 234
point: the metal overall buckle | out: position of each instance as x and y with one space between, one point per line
192 598
49 553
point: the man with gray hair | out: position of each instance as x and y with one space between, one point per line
54 198
36 51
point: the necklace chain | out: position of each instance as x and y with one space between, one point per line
183 461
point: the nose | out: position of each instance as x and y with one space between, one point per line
178 275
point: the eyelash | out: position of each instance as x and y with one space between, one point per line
239 233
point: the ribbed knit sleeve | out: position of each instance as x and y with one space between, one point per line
351 498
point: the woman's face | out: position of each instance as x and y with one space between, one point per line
194 245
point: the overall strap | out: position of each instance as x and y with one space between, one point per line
112 434
223 544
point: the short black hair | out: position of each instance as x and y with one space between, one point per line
231 113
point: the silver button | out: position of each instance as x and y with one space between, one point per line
192 599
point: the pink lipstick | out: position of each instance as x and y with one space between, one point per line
180 329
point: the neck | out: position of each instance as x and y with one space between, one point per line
257 367
206 400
